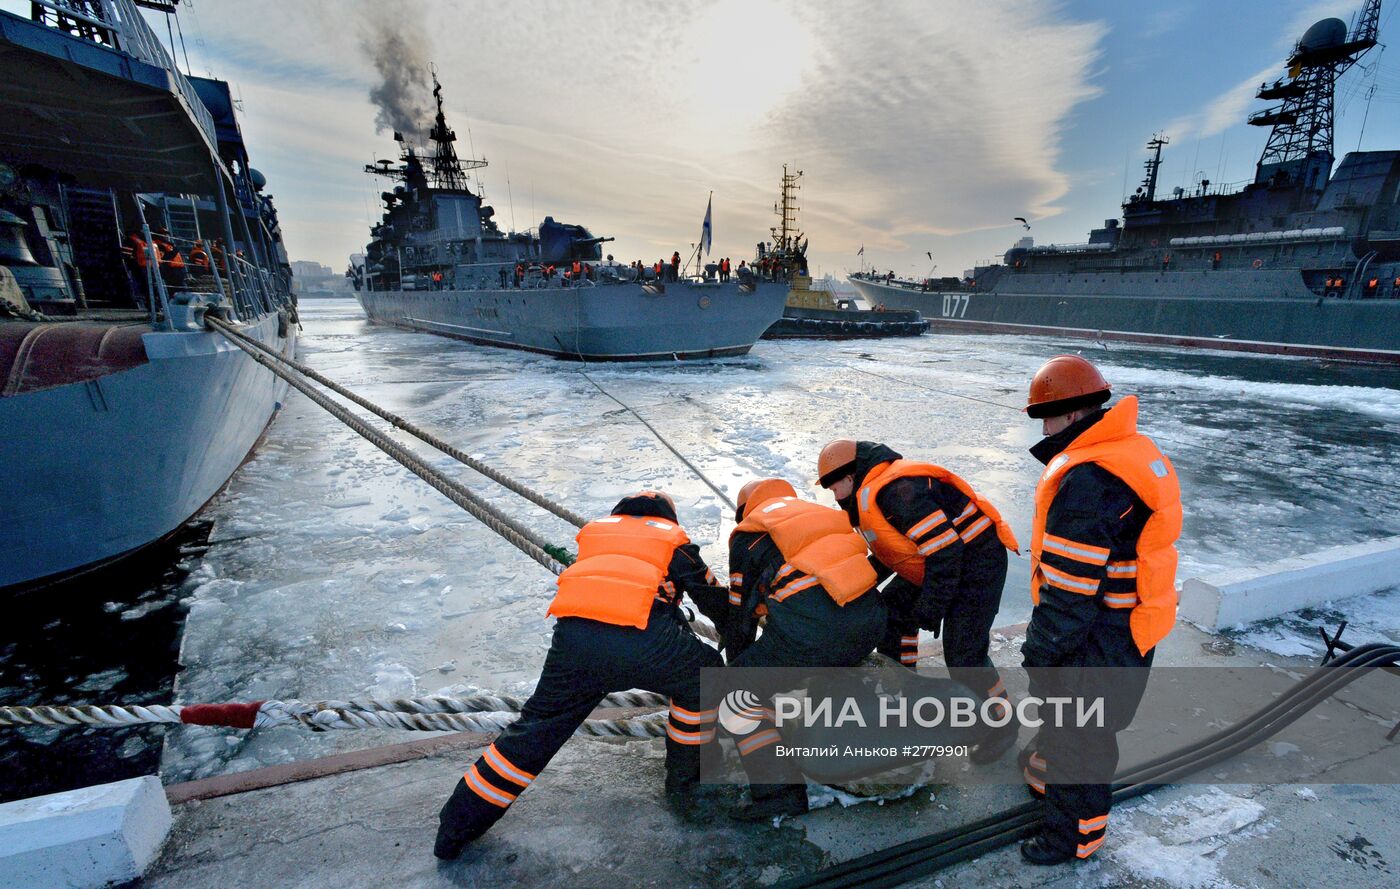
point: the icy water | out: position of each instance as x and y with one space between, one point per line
111 638
335 573
349 576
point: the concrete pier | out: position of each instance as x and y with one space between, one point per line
596 817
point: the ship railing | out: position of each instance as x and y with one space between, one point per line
119 25
248 288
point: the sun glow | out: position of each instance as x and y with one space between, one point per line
749 55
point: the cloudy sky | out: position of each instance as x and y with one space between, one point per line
920 126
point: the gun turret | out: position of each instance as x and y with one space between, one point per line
565 243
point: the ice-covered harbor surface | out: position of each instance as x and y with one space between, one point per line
340 574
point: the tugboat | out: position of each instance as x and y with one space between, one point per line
816 313
128 212
1302 260
438 262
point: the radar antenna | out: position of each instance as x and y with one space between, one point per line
444 170
1300 146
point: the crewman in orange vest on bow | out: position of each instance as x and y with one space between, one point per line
1103 580
948 545
803 565
620 627
199 258
136 250
172 264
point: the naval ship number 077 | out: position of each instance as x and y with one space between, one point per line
955 305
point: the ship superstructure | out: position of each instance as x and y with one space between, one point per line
128 211
1303 258
439 262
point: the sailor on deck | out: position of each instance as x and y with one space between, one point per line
1103 579
948 545
803 566
620 627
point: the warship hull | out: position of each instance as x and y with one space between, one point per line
608 322
1265 310
801 322
102 467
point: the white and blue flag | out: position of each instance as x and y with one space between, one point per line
705 230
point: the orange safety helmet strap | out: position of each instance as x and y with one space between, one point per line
816 540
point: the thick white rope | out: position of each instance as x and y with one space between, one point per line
481 713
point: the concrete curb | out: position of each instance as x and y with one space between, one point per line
86 838
1244 595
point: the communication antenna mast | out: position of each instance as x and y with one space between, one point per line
1300 147
1152 165
785 233
448 171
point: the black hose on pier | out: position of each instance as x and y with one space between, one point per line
921 857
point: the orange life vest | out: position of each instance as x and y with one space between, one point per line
198 257
816 540
622 563
896 550
1115 444
167 254
138 250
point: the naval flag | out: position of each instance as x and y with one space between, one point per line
705 230
861 251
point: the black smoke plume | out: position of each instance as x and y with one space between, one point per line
397 45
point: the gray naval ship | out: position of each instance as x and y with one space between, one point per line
1303 260
438 262
127 211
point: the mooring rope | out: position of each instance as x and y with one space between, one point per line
480 712
423 435
719 492
522 538
516 534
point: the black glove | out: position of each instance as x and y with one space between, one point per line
929 615
899 596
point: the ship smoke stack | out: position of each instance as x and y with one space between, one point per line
398 51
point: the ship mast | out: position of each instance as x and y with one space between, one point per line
1153 164
785 234
444 170
448 171
1300 146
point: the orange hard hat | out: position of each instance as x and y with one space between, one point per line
836 460
760 490
1063 384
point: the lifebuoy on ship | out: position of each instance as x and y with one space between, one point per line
1258 263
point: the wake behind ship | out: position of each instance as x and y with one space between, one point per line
439 263
127 212
1302 260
